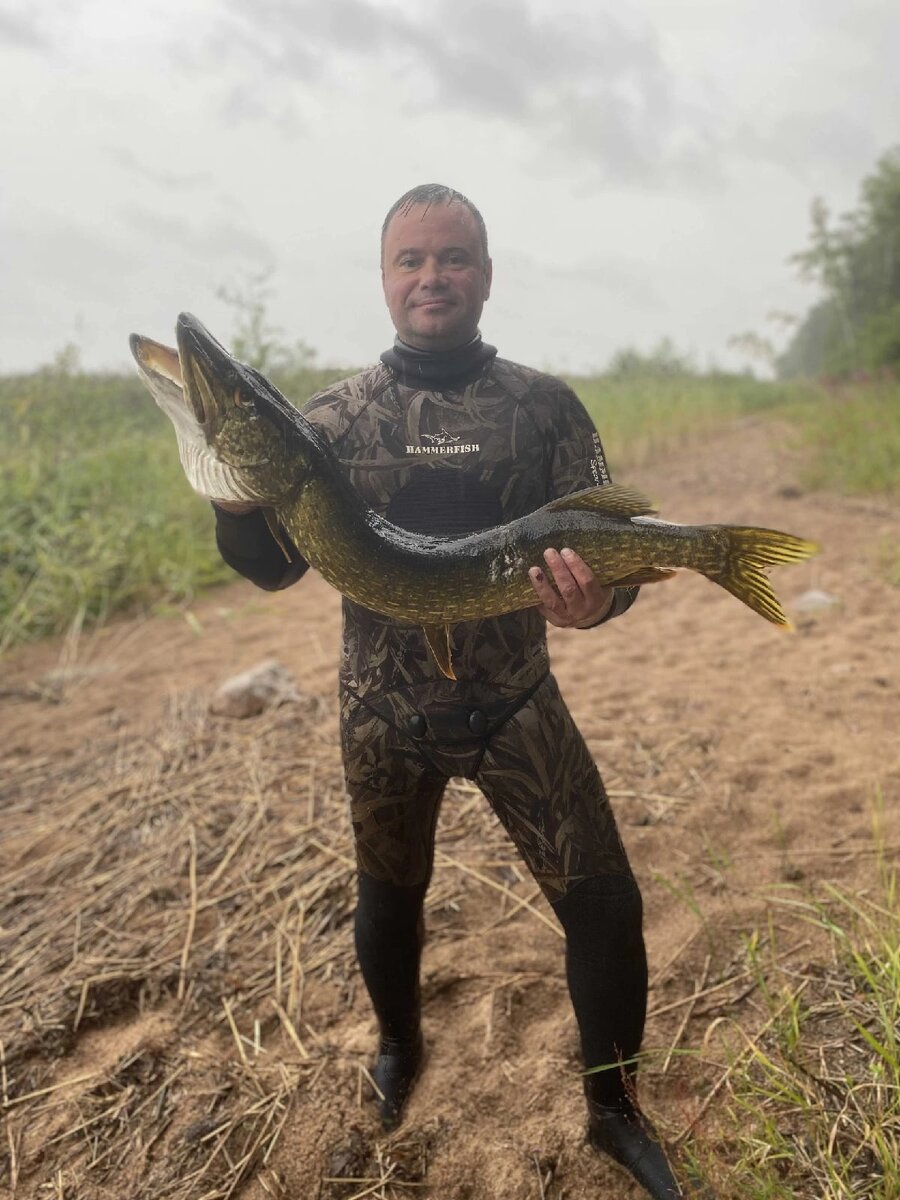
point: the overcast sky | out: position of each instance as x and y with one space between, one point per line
644 167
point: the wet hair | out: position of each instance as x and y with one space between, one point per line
435 193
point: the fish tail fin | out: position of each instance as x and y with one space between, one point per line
748 554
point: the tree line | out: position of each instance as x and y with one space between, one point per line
855 259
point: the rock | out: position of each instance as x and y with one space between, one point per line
247 695
815 601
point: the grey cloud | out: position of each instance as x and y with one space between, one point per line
168 180
247 103
589 86
621 279
22 30
219 241
806 143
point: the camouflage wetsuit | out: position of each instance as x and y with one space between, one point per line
450 462
447 444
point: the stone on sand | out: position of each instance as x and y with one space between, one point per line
264 686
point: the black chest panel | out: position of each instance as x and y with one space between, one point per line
445 503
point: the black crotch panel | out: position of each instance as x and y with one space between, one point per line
450 734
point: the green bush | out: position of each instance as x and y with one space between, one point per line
95 512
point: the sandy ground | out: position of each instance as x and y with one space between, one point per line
741 761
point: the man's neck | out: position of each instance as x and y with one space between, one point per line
435 370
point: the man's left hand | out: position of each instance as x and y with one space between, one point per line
577 598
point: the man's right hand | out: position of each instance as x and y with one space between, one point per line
235 506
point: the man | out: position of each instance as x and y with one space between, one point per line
443 437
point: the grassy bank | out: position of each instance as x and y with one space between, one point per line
95 513
641 416
96 516
853 435
813 1098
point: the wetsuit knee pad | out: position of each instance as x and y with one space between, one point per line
398 905
602 916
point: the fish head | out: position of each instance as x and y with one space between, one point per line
240 413
235 434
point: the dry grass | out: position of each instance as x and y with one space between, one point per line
204 873
195 884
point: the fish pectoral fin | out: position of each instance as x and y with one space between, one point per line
438 639
644 575
612 499
276 532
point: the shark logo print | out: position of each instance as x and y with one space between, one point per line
440 439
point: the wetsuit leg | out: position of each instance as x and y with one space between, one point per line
394 801
541 781
543 784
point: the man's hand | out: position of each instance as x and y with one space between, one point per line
578 599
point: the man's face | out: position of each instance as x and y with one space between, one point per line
434 275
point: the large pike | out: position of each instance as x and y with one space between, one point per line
241 440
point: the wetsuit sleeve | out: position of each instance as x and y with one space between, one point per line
247 545
578 461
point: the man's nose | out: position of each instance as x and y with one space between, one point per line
432 275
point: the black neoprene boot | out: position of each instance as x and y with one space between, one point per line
628 1137
395 1071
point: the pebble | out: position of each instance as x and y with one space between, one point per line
264 686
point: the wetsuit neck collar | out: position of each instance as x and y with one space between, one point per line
438 369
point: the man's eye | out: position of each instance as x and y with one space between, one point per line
408 262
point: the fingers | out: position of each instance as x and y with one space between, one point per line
571 599
567 585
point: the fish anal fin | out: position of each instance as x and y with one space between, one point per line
438 639
644 575
276 531
612 499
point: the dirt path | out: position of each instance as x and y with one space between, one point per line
738 759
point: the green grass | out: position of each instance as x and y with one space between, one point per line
96 516
812 1106
95 513
640 416
853 434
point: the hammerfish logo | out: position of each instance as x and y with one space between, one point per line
443 443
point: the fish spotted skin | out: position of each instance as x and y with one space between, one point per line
259 448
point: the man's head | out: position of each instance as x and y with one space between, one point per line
435 267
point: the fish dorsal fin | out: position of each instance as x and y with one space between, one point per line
438 639
612 499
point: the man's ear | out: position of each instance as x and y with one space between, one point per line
488 277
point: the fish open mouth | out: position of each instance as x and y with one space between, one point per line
156 359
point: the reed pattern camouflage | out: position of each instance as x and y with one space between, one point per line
451 462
